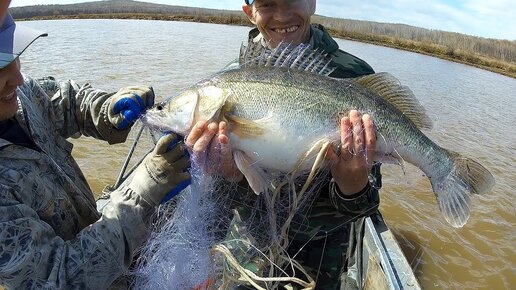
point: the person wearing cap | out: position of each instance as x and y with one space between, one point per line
51 235
338 213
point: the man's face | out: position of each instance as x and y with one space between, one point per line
3 9
10 78
282 20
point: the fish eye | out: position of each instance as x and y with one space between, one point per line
159 107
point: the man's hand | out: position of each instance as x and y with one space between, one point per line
211 147
163 173
351 165
128 104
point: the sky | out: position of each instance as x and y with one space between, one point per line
490 19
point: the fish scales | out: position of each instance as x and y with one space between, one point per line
307 104
277 114
295 97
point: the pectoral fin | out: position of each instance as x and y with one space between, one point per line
319 148
255 176
212 101
245 128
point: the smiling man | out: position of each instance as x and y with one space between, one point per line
332 256
8 99
328 247
277 21
289 21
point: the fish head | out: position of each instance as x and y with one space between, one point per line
180 113
175 115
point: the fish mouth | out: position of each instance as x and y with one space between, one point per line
285 30
156 121
152 120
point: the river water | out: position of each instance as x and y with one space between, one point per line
473 112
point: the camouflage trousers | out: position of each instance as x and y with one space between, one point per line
328 259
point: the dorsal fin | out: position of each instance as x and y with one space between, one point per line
300 57
390 89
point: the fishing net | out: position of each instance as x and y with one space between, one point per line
220 235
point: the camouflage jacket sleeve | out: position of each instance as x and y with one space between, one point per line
364 204
52 236
34 257
82 110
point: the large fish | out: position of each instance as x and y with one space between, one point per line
282 108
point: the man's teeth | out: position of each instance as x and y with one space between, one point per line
286 30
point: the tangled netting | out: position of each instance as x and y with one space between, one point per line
219 235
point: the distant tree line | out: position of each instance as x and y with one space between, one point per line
493 54
504 50
125 7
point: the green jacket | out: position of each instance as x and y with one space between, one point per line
332 222
348 65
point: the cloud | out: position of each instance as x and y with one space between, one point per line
493 19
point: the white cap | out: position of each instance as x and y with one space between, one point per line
14 39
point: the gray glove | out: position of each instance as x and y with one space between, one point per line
128 104
163 173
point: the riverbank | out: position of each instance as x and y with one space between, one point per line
435 50
447 52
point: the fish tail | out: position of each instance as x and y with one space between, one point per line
454 190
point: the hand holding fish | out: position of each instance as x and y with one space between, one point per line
350 166
279 117
212 140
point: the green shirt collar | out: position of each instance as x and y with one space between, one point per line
319 38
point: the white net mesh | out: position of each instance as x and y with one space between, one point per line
219 235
